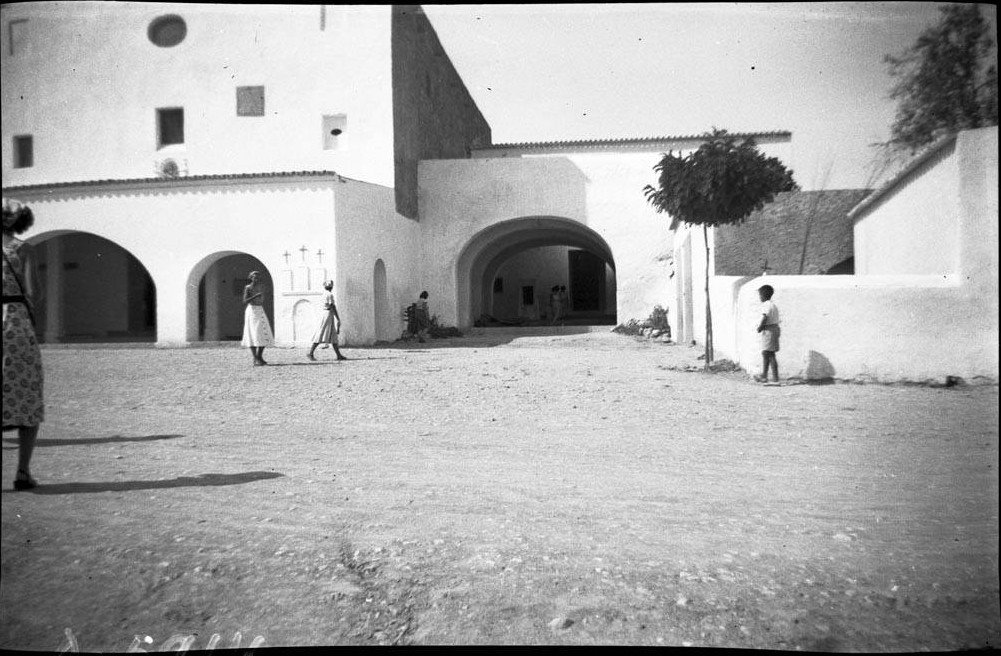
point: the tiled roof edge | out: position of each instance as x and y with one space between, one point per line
626 142
180 179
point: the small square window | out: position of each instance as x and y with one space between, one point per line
528 295
24 151
170 126
250 101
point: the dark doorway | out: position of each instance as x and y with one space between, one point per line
587 281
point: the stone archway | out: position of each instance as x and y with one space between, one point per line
487 252
95 290
215 296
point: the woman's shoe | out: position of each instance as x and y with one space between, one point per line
311 357
23 481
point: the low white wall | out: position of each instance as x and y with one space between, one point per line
879 328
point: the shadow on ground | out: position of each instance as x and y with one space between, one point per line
204 480
83 441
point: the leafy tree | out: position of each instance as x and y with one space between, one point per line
720 183
947 81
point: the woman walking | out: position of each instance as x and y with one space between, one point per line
256 329
23 405
330 326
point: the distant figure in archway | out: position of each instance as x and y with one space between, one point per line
256 329
330 326
564 302
23 404
555 303
423 317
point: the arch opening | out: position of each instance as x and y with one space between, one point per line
94 291
506 273
215 296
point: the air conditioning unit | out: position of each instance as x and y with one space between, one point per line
170 168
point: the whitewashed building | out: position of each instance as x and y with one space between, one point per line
169 149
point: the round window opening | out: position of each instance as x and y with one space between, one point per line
167 31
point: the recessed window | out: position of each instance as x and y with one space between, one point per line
167 31
498 285
24 151
334 127
16 32
250 101
170 126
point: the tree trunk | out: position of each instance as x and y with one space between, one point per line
709 311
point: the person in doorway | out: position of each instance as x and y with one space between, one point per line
330 327
256 329
423 317
564 303
23 403
555 305
768 328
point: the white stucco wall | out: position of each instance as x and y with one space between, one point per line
98 54
914 230
179 226
891 327
369 229
602 192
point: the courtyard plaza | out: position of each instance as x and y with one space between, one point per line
562 485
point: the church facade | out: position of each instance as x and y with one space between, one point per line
168 150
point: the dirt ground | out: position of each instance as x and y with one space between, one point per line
566 488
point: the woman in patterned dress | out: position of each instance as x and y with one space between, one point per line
256 329
330 326
23 405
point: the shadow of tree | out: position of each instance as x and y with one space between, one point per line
203 480
83 441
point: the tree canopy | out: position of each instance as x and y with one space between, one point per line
947 81
721 182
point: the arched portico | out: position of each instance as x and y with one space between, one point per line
94 290
482 256
214 296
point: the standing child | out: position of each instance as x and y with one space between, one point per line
769 330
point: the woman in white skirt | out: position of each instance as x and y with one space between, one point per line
256 329
330 325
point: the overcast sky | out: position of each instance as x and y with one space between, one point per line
596 71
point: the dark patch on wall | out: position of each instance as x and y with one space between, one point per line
434 117
775 235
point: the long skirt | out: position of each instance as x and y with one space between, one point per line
23 404
326 332
256 329
770 337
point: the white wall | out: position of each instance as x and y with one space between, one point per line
88 80
175 228
602 192
891 327
369 229
915 229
